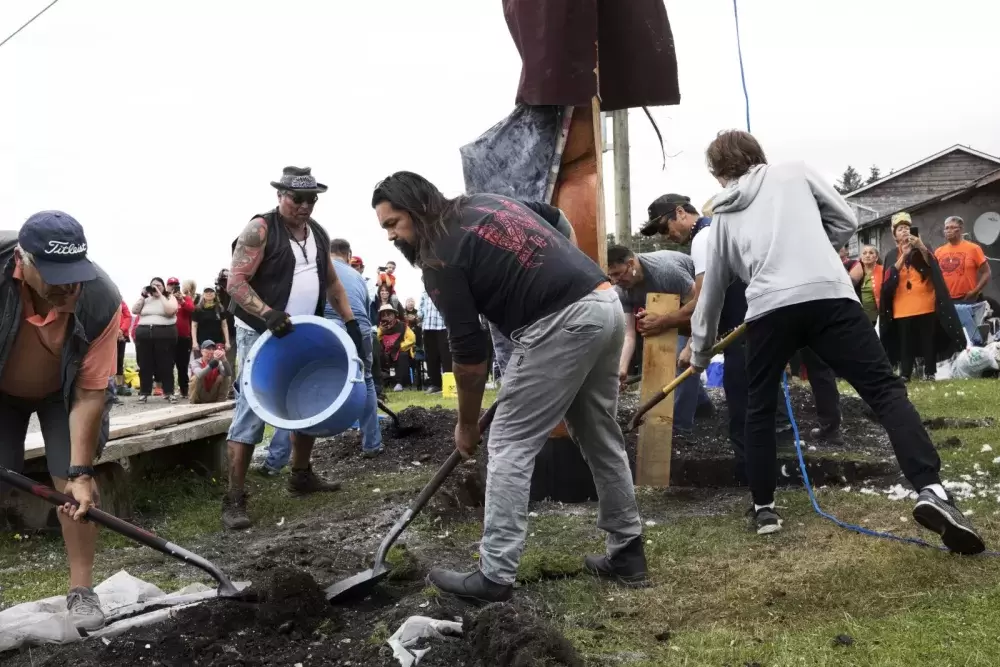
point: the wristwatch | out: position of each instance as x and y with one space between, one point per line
73 472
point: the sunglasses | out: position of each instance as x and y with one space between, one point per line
302 197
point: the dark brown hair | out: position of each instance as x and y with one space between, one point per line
432 213
732 153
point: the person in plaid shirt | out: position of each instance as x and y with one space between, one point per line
435 343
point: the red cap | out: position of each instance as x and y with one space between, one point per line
356 261
173 281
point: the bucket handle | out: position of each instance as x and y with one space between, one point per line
361 370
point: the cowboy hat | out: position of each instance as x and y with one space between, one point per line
298 179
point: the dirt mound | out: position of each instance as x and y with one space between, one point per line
504 636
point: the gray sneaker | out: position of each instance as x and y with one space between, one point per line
942 517
85 609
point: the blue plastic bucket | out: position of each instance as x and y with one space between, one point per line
311 381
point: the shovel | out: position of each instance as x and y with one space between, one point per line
226 588
361 583
666 391
399 430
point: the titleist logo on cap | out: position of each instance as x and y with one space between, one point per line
65 248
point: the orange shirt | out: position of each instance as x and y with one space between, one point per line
918 299
33 365
960 265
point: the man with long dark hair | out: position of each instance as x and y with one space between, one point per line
490 255
778 228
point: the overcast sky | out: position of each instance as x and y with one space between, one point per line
160 124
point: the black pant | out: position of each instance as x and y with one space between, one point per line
377 365
120 368
734 382
401 365
823 382
438 355
916 339
155 347
839 333
182 359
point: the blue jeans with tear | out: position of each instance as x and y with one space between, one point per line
687 397
279 450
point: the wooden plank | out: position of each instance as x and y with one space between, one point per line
207 427
659 367
123 426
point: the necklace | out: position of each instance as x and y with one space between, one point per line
302 245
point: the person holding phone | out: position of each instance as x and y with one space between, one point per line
155 339
917 317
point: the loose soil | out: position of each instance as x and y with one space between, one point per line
287 621
290 622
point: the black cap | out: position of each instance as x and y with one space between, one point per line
58 248
660 207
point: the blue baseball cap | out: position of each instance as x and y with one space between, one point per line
58 246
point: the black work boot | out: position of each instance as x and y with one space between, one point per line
301 482
471 586
234 510
827 435
627 568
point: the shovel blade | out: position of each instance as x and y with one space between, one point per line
356 586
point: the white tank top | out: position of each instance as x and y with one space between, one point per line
305 291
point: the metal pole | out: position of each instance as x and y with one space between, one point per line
623 196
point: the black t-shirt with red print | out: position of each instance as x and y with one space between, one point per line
504 261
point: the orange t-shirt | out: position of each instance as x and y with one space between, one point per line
918 299
33 365
960 265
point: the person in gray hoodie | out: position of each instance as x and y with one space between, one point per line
777 228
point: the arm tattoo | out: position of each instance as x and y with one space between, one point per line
247 256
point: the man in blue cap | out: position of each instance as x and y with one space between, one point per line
59 318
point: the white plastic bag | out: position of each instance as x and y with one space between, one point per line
971 362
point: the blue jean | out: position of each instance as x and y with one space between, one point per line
279 450
687 397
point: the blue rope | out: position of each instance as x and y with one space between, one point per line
739 51
812 496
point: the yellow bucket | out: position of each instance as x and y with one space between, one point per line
448 387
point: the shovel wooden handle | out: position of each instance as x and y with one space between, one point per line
666 391
111 522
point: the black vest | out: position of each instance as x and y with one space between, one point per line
97 305
273 280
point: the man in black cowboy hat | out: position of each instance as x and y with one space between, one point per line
281 267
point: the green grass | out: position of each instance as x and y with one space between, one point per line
411 398
722 595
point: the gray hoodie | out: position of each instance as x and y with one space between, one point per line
778 229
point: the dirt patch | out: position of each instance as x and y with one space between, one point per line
286 621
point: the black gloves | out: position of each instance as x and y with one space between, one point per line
354 331
214 363
278 323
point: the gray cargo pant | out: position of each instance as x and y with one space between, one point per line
503 347
565 364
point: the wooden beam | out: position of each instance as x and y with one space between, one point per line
123 426
659 367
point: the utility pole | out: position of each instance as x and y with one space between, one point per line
623 194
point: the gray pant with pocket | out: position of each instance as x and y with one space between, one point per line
564 365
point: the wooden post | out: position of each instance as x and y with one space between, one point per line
602 236
659 367
623 197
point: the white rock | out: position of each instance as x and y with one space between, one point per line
986 448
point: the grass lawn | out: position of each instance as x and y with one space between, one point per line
814 594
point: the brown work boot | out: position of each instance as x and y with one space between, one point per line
301 482
234 510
